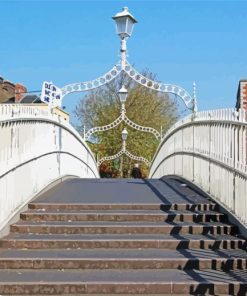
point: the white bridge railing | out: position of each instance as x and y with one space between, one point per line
209 149
36 149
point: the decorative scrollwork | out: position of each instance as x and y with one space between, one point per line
141 128
136 76
115 156
103 127
89 85
161 87
121 152
139 158
122 117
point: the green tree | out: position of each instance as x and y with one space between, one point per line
143 106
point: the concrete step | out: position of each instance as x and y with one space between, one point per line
137 215
123 259
207 206
168 282
132 294
101 227
173 241
125 253
114 263
161 238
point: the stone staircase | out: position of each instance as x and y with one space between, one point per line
159 237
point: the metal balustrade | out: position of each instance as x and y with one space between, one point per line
37 147
209 149
9 111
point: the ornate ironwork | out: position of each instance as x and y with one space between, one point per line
120 153
139 158
89 85
103 127
115 156
124 65
190 102
123 118
194 97
159 86
141 128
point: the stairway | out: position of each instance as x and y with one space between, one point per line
148 237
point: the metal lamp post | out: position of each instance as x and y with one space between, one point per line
124 138
123 94
124 26
125 22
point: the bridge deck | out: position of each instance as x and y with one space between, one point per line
123 236
122 191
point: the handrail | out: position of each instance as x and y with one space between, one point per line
209 148
12 113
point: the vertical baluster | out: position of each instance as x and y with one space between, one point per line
244 140
236 146
212 140
232 145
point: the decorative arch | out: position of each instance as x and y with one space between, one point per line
159 86
120 153
89 85
188 100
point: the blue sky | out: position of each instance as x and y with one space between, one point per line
75 41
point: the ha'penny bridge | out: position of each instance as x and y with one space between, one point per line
65 231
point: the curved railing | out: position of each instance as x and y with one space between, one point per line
37 148
210 149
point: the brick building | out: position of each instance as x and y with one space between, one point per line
241 101
10 92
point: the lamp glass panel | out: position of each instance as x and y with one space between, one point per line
121 25
130 26
123 96
124 135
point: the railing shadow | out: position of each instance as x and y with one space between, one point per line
180 191
204 287
221 272
158 194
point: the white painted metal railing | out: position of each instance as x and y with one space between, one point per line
209 148
37 147
9 111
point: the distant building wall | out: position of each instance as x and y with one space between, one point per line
241 102
20 91
7 90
